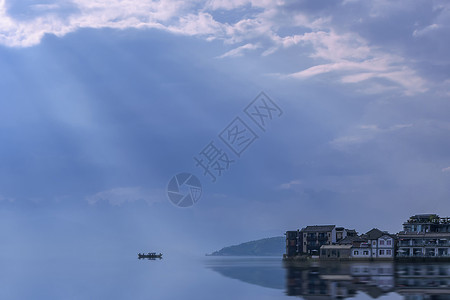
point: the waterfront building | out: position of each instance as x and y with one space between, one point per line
382 244
335 251
375 244
308 240
316 236
294 243
426 235
423 236
361 249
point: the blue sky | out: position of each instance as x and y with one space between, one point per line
102 102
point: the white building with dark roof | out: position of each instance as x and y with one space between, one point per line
382 244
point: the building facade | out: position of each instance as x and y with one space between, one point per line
382 244
425 236
335 251
308 240
294 243
375 244
316 236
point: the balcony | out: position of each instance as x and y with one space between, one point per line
322 238
311 237
418 244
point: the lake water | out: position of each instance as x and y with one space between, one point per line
219 278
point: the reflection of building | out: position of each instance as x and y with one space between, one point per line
423 281
323 280
425 236
319 283
330 281
380 274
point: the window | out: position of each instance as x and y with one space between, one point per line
388 252
389 242
381 252
355 252
382 242
374 243
366 252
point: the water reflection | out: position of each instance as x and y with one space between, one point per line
430 281
345 280
339 280
254 270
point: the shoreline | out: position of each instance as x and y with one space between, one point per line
396 259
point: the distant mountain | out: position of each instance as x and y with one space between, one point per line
274 246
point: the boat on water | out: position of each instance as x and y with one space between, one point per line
150 255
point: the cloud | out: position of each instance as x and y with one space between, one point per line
88 14
426 30
119 196
239 50
364 133
260 24
354 61
341 143
373 127
446 169
6 199
290 184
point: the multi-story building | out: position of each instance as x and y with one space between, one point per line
309 240
294 243
425 235
316 236
342 233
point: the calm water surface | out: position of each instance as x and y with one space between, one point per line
219 278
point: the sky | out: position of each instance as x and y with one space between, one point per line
103 102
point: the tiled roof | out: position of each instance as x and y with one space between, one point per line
336 247
318 228
350 240
375 234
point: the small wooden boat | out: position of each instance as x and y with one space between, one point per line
149 255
